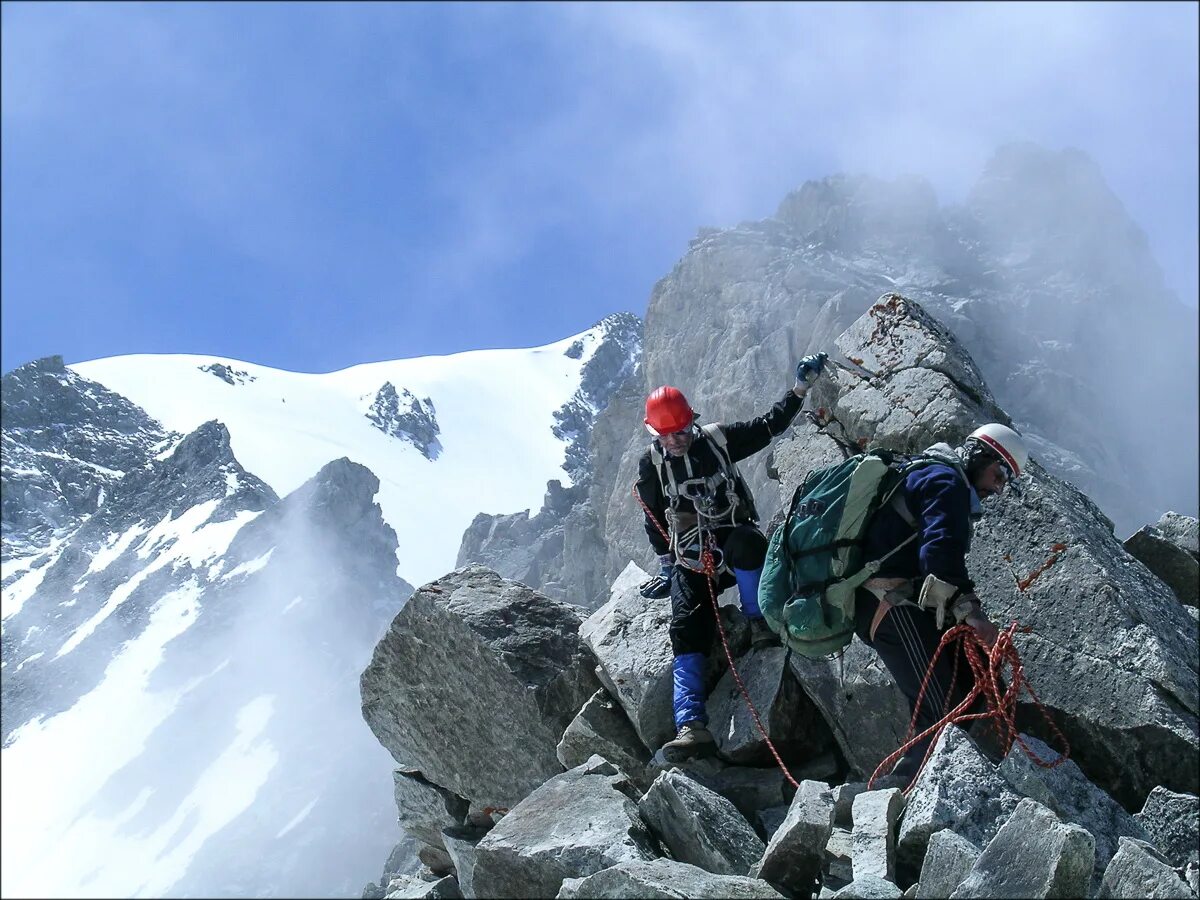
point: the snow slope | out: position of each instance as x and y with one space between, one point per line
495 409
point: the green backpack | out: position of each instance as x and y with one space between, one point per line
814 560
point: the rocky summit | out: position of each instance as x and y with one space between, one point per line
530 735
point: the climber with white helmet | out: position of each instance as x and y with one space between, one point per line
694 499
923 588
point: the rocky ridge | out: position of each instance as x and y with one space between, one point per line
609 818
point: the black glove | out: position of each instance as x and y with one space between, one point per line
809 368
660 585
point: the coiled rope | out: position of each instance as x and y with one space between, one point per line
1001 702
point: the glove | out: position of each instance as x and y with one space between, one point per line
660 585
809 368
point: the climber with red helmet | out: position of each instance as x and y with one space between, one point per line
923 586
693 496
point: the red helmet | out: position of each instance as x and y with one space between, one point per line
667 411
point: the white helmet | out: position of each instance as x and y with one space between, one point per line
1003 442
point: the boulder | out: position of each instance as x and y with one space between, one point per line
699 826
1067 791
870 886
1034 854
628 635
474 683
602 728
574 825
409 887
838 866
1169 550
750 789
792 860
1138 870
873 842
460 843
663 878
959 789
948 859
792 722
1172 824
424 809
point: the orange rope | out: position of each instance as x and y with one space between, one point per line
986 663
709 570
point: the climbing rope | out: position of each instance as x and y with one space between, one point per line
1001 702
709 570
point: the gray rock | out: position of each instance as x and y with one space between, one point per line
770 819
628 635
1066 791
1172 824
1114 657
1192 876
574 825
948 859
838 865
474 684
1168 549
408 887
750 789
424 809
870 886
602 728
663 878
843 802
873 843
372 892
959 789
699 826
1138 870
460 843
792 722
793 858
436 859
1034 854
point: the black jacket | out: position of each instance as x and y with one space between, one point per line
743 439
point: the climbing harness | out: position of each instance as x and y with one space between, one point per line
691 533
986 664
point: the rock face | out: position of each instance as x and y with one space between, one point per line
1137 870
1169 550
560 550
498 672
1172 824
1112 652
67 443
728 323
401 415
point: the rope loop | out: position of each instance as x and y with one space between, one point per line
987 664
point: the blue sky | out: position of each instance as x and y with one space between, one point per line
310 186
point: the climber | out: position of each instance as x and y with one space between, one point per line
692 492
924 588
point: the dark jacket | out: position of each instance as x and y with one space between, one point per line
939 499
743 439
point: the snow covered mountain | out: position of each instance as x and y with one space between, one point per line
198 556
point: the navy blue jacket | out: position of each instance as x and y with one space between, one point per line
939 499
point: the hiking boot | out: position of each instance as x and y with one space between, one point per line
761 635
694 740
